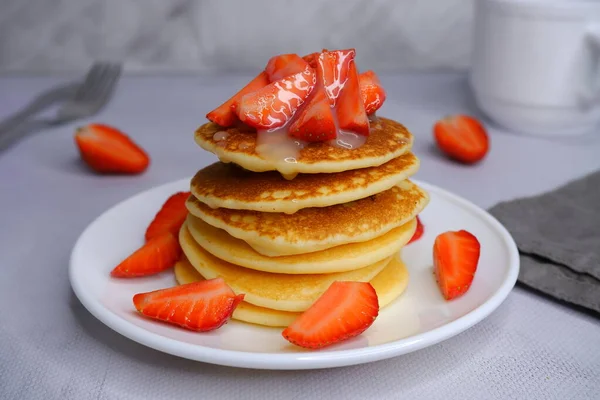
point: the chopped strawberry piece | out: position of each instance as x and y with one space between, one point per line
350 109
312 59
418 232
158 254
225 115
345 310
285 65
462 138
170 217
333 70
273 105
371 91
455 259
107 150
199 306
315 121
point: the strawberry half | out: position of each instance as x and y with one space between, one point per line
312 59
418 232
371 91
273 105
315 122
199 306
170 217
350 110
455 259
107 150
462 138
158 254
284 65
345 310
225 114
334 71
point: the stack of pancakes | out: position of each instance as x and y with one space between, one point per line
281 230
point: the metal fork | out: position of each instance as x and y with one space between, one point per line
88 99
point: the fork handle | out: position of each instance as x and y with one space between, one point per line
10 137
36 106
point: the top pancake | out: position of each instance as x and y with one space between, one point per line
388 139
229 186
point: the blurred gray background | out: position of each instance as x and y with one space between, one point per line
208 36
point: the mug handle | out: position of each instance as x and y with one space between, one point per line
590 93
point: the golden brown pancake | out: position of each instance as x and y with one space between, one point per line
229 186
337 259
388 140
317 228
276 291
389 284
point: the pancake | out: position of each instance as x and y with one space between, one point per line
388 140
314 229
337 259
229 186
276 291
389 284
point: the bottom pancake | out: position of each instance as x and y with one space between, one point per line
265 289
389 284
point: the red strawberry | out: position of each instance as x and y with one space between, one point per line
345 310
225 115
158 254
334 71
284 65
199 306
418 232
350 109
315 122
312 59
462 138
273 105
455 258
170 217
107 150
371 91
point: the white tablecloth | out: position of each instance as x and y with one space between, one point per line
52 348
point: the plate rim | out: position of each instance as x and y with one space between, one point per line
307 360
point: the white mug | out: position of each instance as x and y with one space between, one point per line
536 64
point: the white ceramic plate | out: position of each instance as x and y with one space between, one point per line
419 318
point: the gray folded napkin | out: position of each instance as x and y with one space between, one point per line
558 236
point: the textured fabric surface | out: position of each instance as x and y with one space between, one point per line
51 348
558 235
231 35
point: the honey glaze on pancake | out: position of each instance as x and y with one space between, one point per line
317 228
388 139
229 186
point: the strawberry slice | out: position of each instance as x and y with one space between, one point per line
345 310
285 65
107 150
334 71
312 59
371 91
225 115
418 232
315 122
455 258
199 306
170 217
273 105
350 108
462 138
158 254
